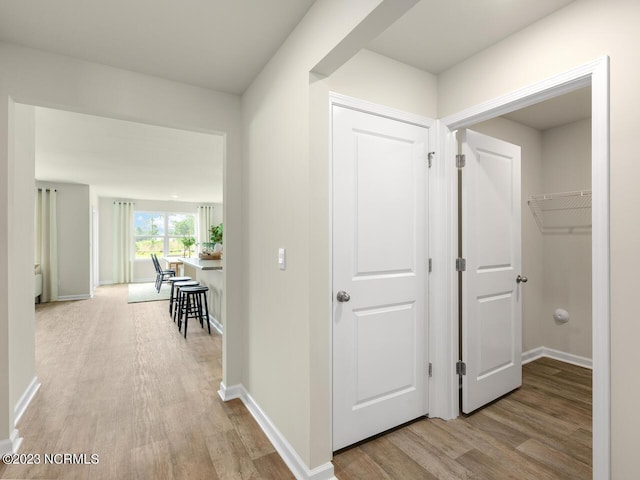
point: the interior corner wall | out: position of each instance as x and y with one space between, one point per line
285 193
35 77
583 31
22 319
530 141
566 167
74 239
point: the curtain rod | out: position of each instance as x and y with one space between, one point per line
124 203
47 189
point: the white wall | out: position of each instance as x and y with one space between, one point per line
368 76
286 203
143 270
21 333
579 33
37 78
74 239
566 167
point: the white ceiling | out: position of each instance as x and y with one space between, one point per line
218 44
437 34
126 159
557 111
222 45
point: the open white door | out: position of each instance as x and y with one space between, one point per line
380 269
491 287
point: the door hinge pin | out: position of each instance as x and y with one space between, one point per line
461 160
430 369
461 264
430 156
461 368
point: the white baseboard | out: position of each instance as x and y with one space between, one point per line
25 400
11 444
64 298
229 393
215 324
540 352
107 282
280 443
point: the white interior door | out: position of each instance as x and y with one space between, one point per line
380 364
491 293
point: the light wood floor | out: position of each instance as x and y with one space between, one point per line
541 431
118 380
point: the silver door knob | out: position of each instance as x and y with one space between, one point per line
522 279
343 296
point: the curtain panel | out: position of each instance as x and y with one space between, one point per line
123 249
46 242
205 222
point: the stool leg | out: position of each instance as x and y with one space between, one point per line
206 311
199 298
173 284
186 313
178 304
171 298
179 309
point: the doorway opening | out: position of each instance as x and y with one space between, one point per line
594 74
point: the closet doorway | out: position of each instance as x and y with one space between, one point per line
594 74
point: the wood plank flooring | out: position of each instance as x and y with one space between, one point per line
119 380
542 431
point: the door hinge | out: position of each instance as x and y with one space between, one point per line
430 156
461 264
461 368
430 369
430 265
461 160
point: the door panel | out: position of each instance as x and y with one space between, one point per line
379 259
491 297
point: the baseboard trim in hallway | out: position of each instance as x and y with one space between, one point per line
11 444
25 400
291 458
540 352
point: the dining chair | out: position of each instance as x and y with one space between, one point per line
161 275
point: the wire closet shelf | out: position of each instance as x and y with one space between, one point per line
564 212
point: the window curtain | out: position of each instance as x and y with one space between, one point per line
205 221
123 242
46 242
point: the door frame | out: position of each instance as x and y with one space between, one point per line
337 99
444 206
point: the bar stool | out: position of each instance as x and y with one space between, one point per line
173 298
192 300
178 297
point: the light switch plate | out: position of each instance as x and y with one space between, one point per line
282 259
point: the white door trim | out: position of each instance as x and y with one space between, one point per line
444 298
384 111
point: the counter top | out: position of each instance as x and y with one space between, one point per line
201 264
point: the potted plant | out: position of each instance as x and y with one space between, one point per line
213 248
187 243
215 236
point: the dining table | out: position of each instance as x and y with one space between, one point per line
173 263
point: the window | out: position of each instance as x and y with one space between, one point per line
161 232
